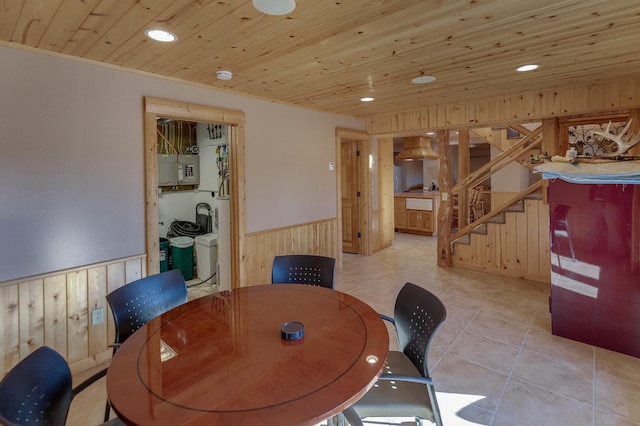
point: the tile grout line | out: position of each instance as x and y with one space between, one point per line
510 375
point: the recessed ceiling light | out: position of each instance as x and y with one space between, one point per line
161 35
431 133
224 75
423 79
529 67
275 7
367 99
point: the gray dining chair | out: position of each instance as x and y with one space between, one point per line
303 269
405 388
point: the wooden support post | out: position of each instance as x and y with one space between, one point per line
634 129
553 143
445 212
464 168
385 194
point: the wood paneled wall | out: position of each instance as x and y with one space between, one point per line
55 310
594 98
386 230
518 248
317 238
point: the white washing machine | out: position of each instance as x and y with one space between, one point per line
207 256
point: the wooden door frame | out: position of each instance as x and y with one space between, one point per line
156 107
364 184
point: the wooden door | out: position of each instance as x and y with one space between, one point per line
349 184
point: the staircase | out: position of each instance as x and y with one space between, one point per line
513 241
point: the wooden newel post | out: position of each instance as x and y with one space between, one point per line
445 212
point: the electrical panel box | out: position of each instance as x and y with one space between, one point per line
188 170
167 170
183 170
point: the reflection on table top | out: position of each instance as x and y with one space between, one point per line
220 360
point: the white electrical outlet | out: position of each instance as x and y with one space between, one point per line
97 316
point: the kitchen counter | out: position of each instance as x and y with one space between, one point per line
427 194
415 212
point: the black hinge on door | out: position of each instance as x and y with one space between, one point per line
358 194
357 153
359 235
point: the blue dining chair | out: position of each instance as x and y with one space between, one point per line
135 304
303 269
38 390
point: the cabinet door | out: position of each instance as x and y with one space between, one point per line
414 220
399 213
420 221
427 221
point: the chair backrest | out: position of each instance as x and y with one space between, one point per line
303 269
37 390
135 304
474 194
418 314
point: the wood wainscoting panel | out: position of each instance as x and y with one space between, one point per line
519 247
9 327
55 310
319 238
31 315
55 313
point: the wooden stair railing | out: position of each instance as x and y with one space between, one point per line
497 211
495 165
528 142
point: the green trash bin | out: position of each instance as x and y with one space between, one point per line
164 255
182 255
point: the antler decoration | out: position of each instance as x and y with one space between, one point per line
622 145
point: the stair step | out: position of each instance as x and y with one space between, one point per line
480 229
497 219
517 207
534 196
500 219
466 240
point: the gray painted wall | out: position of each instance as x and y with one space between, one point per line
71 161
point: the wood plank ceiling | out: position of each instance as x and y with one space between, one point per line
327 54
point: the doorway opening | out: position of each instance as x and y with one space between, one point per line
193 200
354 192
232 183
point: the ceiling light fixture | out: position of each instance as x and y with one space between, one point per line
367 99
423 79
275 7
161 35
224 75
529 67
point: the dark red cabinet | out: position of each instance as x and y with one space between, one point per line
595 264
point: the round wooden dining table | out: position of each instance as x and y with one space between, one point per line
222 359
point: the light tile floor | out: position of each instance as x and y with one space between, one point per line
494 361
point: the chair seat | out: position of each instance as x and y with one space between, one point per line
113 422
392 398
